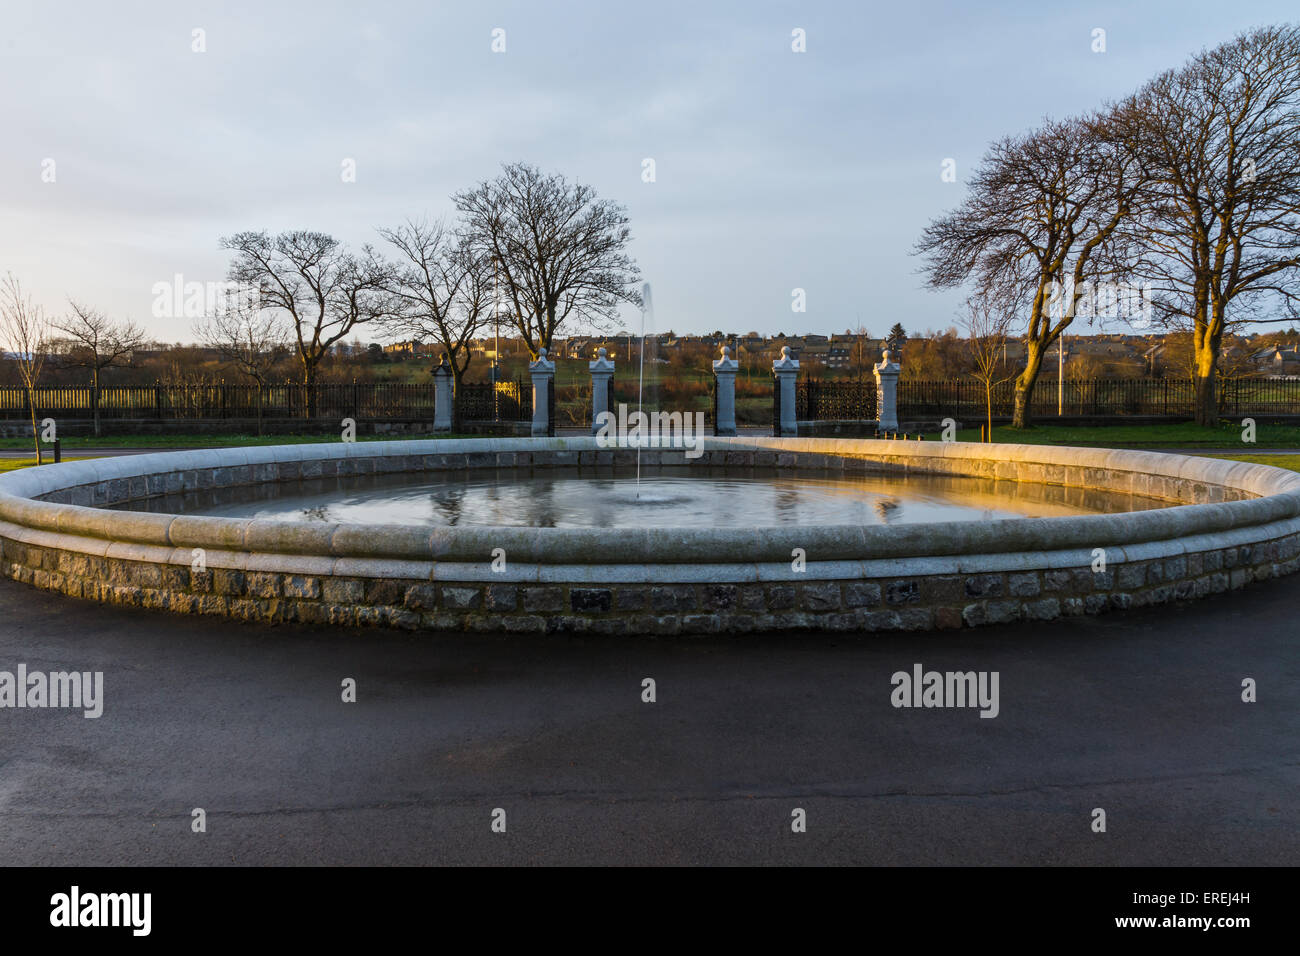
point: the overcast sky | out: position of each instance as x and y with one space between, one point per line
775 170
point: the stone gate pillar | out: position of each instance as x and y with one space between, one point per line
724 406
543 375
786 371
602 381
886 394
443 409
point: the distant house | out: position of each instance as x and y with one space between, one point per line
866 351
839 356
814 353
574 347
827 356
794 342
412 349
1277 360
197 351
486 350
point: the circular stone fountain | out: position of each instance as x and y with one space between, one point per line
1206 526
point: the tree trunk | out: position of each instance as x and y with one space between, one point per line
309 384
988 404
1204 372
1206 388
94 401
457 374
1022 417
36 432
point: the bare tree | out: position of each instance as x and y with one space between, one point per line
250 338
443 285
988 326
95 342
559 250
324 290
1037 228
1219 225
26 332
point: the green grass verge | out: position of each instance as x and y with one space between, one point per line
16 464
1289 462
203 441
1183 435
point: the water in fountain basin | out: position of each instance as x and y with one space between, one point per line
692 497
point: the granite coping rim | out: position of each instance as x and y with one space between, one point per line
734 572
1277 491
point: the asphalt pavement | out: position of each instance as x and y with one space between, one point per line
1139 714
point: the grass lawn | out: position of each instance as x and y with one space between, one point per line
1183 435
1226 437
13 464
1289 462
201 441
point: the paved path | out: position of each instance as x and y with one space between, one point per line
1139 714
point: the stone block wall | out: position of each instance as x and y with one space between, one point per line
1245 528
942 601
